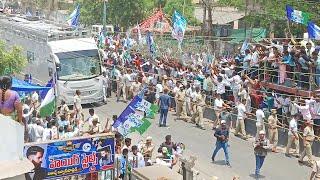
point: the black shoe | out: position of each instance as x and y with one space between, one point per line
160 125
212 158
228 164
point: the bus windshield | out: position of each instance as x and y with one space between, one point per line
79 65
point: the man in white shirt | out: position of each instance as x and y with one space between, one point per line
194 97
304 109
285 108
136 159
235 83
293 135
127 84
240 121
159 90
105 80
27 111
54 132
35 99
219 106
77 105
254 63
31 132
292 108
47 134
127 144
221 87
38 131
92 116
260 121
71 133
208 85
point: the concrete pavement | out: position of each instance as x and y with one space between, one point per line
200 143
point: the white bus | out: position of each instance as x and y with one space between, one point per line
54 52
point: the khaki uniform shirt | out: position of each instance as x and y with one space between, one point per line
201 100
272 121
147 150
181 96
308 133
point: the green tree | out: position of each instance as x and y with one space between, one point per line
271 14
126 13
91 12
12 60
183 6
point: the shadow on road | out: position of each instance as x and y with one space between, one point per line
220 162
257 177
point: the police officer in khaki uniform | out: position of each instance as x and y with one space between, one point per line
197 116
273 129
200 105
180 100
308 137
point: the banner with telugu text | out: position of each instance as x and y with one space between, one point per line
70 157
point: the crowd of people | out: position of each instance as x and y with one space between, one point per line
69 123
231 87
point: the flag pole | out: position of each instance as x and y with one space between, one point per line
104 19
291 36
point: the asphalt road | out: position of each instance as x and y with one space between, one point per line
200 143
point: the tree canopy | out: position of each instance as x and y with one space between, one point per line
183 6
91 12
273 13
12 60
128 13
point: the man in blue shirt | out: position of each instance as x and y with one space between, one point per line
123 163
164 103
222 135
